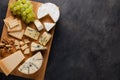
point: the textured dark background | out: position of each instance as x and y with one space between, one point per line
86 44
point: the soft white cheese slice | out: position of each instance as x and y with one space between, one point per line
38 25
49 9
49 26
32 64
36 47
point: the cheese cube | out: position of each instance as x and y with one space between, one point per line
27 51
38 24
24 47
17 47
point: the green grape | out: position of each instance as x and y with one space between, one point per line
23 8
23 18
27 10
18 12
24 1
30 9
11 5
33 14
14 13
29 15
28 3
24 14
18 3
15 9
26 6
18 7
27 21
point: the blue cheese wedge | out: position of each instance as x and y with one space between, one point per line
48 26
32 33
32 64
45 38
36 47
38 25
49 9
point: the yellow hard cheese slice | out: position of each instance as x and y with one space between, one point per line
9 63
18 34
32 64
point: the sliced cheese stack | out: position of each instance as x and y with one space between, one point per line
9 63
49 9
13 24
32 64
36 47
49 26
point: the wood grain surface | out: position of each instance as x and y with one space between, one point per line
39 75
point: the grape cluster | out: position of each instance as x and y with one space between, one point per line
23 8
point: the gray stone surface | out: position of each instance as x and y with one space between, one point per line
86 43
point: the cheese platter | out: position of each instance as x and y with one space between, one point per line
27 40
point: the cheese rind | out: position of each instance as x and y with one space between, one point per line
32 64
9 63
32 33
36 47
49 26
49 9
38 25
45 38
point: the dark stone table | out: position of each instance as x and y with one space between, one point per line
86 43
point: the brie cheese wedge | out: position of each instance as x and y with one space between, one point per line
36 47
49 26
49 9
32 64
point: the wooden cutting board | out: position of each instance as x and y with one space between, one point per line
40 74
